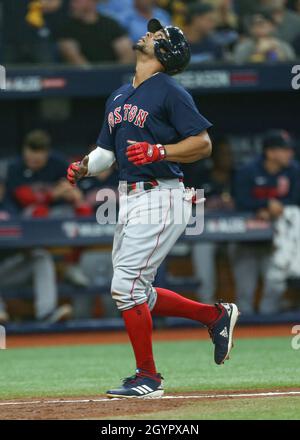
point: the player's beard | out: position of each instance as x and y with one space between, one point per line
139 47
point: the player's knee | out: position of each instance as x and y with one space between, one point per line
127 291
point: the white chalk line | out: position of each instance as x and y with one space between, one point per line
198 396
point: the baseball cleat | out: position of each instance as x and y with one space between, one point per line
222 330
139 386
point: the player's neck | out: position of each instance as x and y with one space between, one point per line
144 71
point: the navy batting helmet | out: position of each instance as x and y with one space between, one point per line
174 53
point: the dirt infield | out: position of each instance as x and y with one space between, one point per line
118 337
101 407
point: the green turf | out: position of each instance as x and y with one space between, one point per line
186 366
277 408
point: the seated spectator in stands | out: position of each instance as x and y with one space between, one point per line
287 21
114 8
262 45
36 181
36 265
30 29
216 182
88 37
7 209
177 10
296 46
95 265
137 18
296 6
264 187
90 186
227 23
200 26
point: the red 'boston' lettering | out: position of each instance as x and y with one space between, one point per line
132 113
118 117
141 118
127 107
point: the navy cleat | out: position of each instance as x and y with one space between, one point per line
141 385
222 329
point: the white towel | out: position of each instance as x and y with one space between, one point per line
286 255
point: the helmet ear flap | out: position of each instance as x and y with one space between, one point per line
164 46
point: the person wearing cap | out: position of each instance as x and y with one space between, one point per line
201 22
264 187
262 45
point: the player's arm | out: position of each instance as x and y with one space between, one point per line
97 161
189 150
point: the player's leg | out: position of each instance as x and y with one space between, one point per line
275 284
203 256
45 288
169 303
246 269
138 251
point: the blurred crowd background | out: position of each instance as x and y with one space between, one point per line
262 178
82 32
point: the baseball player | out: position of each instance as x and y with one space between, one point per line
150 127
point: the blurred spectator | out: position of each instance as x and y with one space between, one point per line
177 10
264 186
17 269
227 23
90 186
114 8
262 46
36 182
88 37
296 45
136 19
200 26
36 267
216 183
7 208
95 265
287 21
30 29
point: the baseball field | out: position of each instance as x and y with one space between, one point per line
66 376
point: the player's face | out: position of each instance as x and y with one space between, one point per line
35 160
146 43
282 156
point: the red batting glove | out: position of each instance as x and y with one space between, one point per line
73 168
143 153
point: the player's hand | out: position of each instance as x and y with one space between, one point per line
275 208
78 170
141 153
